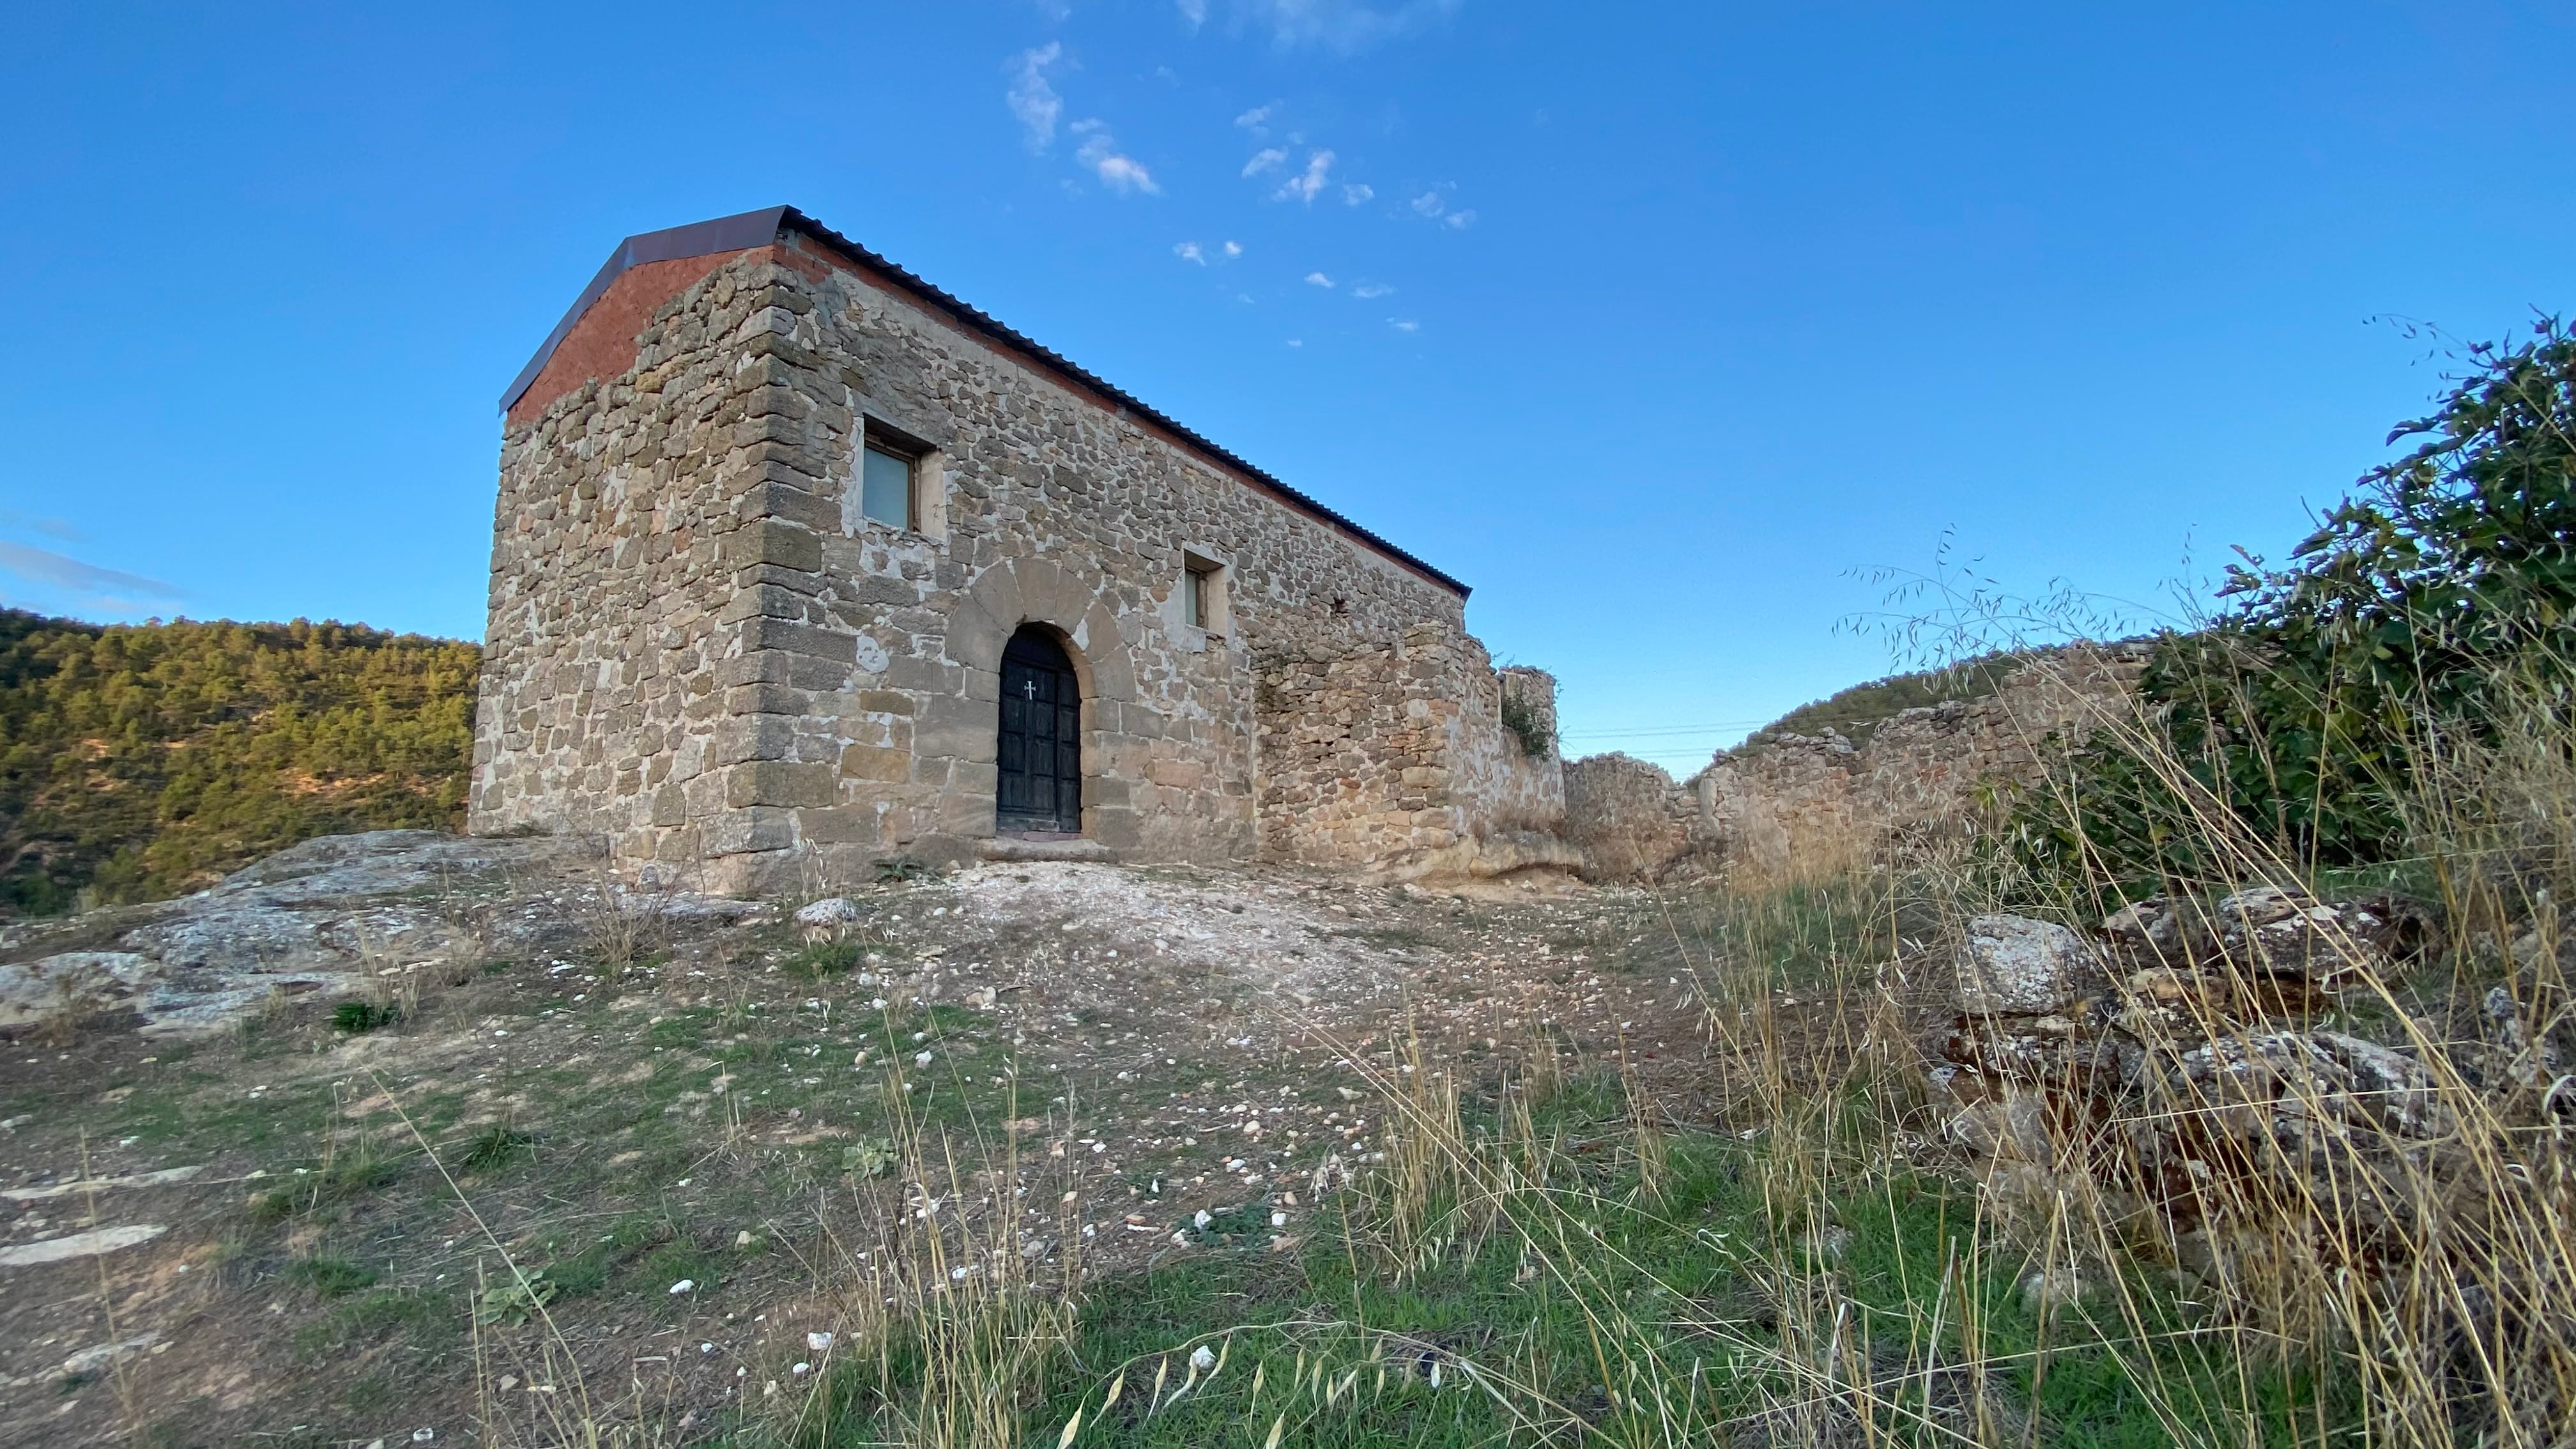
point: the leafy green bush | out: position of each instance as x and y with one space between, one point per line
357 1018
2451 567
1525 725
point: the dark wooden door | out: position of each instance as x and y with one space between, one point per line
1040 779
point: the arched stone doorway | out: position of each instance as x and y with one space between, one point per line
1038 762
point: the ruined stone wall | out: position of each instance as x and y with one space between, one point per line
1791 800
840 677
1627 816
1392 751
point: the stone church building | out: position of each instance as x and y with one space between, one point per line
800 562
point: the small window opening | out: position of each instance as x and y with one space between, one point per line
885 484
1194 598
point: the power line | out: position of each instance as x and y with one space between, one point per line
1652 731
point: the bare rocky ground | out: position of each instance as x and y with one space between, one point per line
228 1214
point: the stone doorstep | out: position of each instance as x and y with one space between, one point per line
1046 847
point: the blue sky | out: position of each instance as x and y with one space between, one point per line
1654 324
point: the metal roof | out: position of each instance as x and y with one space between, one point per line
764 227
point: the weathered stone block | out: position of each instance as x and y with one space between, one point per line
779 782
867 762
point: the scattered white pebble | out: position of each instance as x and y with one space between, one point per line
801 1370
1202 1220
684 1285
1203 1358
1278 1220
818 1342
921 1059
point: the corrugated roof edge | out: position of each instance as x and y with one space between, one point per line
760 228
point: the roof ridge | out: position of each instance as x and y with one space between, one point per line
745 230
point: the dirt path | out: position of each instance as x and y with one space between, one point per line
227 1232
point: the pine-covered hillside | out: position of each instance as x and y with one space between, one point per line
140 761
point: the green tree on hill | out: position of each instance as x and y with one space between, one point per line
139 761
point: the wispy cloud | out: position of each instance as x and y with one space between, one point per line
1370 291
1341 25
1296 342
1118 171
1032 96
1189 252
94 584
1357 192
1233 249
1434 205
37 523
1405 325
1305 185
1318 279
1263 160
1257 120
1193 12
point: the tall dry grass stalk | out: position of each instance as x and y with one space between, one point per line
2373 1186
955 1288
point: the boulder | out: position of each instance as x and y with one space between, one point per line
2015 966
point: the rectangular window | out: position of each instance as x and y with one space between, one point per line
885 485
1194 598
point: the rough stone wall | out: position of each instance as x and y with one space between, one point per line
1787 801
1391 751
702 649
1627 816
618 535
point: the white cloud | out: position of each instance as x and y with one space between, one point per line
1435 205
1318 279
98 585
1407 325
1117 171
1343 25
1368 291
1032 98
1257 119
1319 165
1264 160
1193 12
1353 195
1234 249
1189 252
1296 342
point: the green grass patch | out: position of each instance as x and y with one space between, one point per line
330 1277
823 960
1707 1314
495 1147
